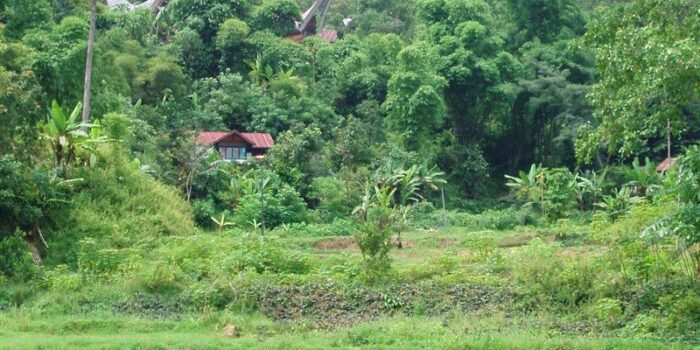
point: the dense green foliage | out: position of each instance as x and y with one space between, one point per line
467 165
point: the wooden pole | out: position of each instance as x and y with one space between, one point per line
444 212
88 62
262 207
668 137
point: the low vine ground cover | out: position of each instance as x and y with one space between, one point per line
522 287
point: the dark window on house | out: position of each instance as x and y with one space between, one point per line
233 153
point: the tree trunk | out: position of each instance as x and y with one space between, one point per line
88 63
35 252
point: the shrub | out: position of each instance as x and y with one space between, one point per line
15 260
62 279
281 203
267 255
682 312
339 227
203 210
552 190
93 259
374 240
543 278
334 200
487 220
608 310
276 210
162 276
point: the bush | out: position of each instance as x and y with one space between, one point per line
543 278
62 279
162 276
267 255
488 220
282 203
682 312
15 259
95 260
608 310
374 240
552 190
334 200
203 210
339 227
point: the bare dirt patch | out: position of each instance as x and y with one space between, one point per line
517 240
448 242
349 243
581 251
336 243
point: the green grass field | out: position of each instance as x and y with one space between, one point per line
115 332
434 299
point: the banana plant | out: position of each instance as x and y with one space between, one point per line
619 202
528 186
67 134
590 184
260 73
643 178
221 223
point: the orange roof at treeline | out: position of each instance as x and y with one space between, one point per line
255 139
327 35
666 164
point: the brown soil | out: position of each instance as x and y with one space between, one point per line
449 242
336 243
406 243
349 243
517 240
230 331
580 251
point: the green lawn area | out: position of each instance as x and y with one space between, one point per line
394 333
448 264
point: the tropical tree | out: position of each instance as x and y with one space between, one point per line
414 101
260 73
66 133
528 186
643 180
620 202
553 190
590 184
407 186
646 57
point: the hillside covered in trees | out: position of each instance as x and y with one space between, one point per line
487 174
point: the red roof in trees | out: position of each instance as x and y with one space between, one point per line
666 164
328 35
255 139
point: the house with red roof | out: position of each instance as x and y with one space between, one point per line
235 146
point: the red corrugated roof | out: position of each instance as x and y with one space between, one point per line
328 35
259 139
256 139
208 138
666 164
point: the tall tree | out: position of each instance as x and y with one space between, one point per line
414 100
88 64
647 65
